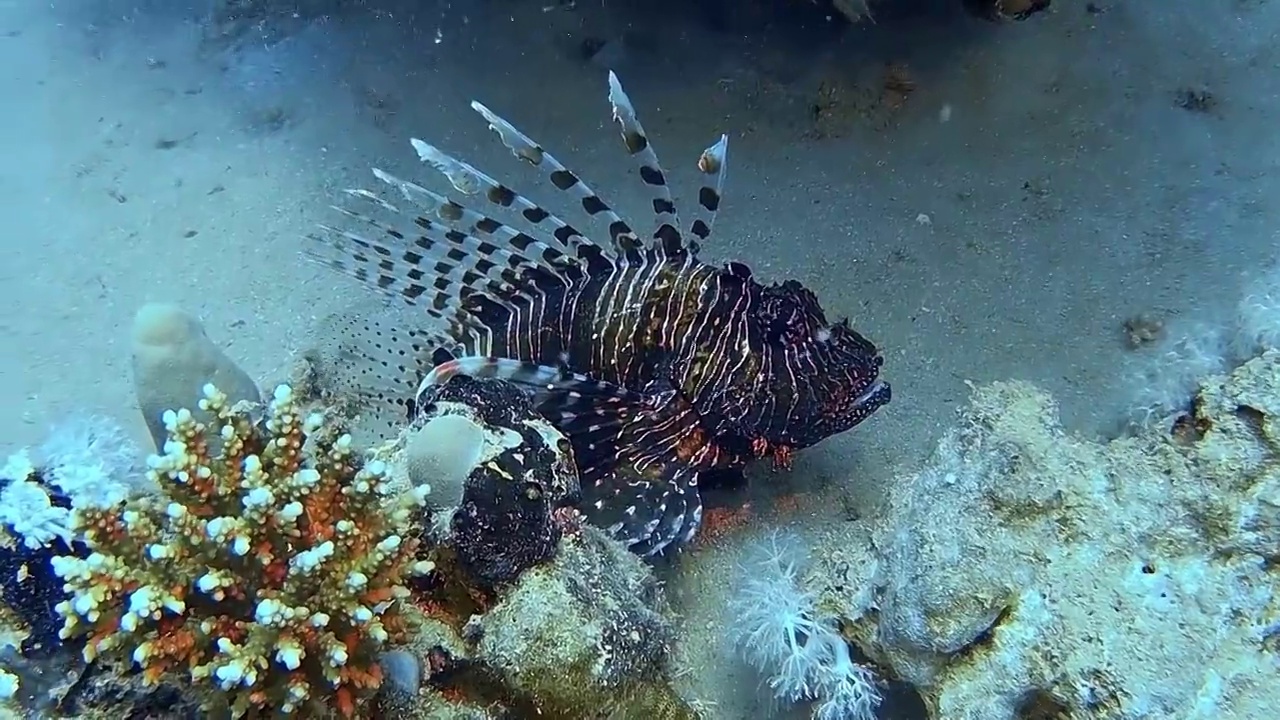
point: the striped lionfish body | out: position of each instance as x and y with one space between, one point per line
657 366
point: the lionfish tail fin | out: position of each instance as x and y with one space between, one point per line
711 164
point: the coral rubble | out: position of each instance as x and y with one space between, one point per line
1025 572
270 571
523 470
586 635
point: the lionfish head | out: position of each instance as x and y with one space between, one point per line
825 377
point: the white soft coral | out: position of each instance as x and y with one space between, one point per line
780 630
92 461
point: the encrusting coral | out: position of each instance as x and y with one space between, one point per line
269 569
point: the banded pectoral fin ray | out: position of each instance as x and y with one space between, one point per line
638 453
646 494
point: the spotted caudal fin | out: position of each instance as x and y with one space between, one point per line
370 363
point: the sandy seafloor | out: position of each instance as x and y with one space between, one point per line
1065 188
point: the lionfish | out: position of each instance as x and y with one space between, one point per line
657 366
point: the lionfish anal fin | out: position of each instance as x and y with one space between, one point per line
649 506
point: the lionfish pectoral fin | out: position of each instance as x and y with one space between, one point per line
645 492
578 405
648 506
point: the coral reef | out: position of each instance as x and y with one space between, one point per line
35 527
92 462
530 611
1166 374
1025 572
260 564
270 573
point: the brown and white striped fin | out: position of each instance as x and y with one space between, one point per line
667 232
647 495
575 403
711 166
624 239
472 182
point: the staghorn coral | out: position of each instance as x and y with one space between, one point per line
268 571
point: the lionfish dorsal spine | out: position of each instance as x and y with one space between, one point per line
565 180
666 215
421 272
469 181
711 166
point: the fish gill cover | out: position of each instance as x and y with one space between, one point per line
657 366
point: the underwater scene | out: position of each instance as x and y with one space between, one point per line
640 359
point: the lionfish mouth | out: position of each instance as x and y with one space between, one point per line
877 393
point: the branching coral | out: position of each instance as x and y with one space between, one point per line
268 570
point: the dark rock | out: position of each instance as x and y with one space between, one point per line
1005 9
28 586
504 525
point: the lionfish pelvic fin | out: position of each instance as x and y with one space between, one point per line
650 510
